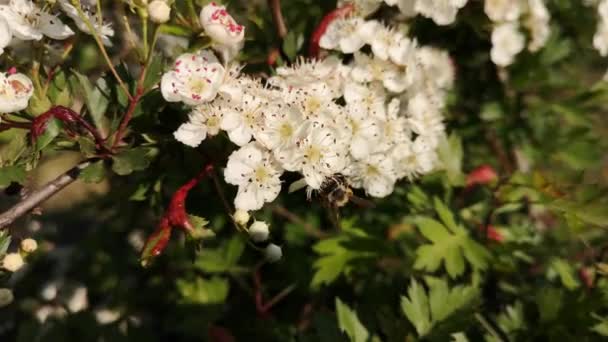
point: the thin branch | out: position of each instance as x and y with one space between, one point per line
310 229
277 17
47 191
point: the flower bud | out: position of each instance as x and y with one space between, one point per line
241 217
273 253
258 231
29 246
6 297
227 35
12 262
159 11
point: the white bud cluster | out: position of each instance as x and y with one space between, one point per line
374 120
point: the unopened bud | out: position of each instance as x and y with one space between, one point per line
29 246
241 217
258 231
12 262
273 253
159 11
6 297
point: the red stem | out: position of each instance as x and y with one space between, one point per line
120 133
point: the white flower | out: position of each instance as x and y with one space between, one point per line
443 12
538 24
507 42
160 11
424 116
366 69
379 37
258 231
273 253
502 10
103 30
395 129
15 92
244 119
29 245
412 159
241 217
376 175
194 79
46 311
317 155
304 72
281 128
28 22
314 101
344 34
203 120
402 50
5 35
227 35
255 171
12 262
106 316
437 66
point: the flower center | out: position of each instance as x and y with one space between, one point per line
197 85
313 154
261 174
285 131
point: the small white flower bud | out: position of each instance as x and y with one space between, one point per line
258 231
241 217
29 245
6 297
159 11
12 262
273 253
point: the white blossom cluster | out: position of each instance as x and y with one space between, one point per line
25 20
507 38
442 12
374 120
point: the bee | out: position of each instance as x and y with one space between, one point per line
335 193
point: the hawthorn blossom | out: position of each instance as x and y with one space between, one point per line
395 129
344 34
375 175
244 119
367 69
443 12
104 30
437 66
5 35
15 92
507 42
255 171
413 158
379 37
194 79
405 6
28 22
304 72
316 156
228 36
281 128
424 116
204 120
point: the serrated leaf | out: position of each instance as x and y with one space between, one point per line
349 323
93 173
203 291
566 273
446 216
136 159
5 241
96 98
416 308
51 131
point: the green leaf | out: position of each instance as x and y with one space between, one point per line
450 154
549 302
594 213
416 308
14 173
203 291
445 215
51 131
96 97
5 241
93 173
451 248
222 259
154 72
566 273
136 159
349 323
